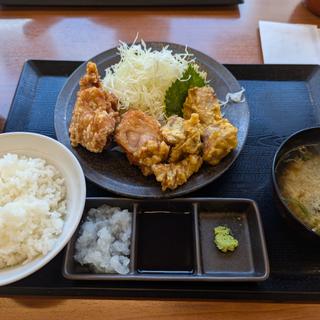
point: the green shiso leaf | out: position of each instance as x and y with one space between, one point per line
178 91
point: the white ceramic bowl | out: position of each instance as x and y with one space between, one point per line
36 145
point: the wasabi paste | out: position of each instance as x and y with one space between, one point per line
224 240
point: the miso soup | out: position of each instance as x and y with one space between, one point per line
298 174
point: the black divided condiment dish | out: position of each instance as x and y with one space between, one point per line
173 240
241 217
304 137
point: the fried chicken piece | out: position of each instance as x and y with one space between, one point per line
91 78
150 153
140 137
95 113
173 130
219 139
204 102
192 143
173 175
134 130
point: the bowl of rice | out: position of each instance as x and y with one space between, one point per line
42 196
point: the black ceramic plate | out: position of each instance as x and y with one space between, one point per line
111 169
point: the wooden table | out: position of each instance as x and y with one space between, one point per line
230 35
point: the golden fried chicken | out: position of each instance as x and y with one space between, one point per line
173 130
95 113
150 153
91 78
204 102
192 143
140 137
218 140
135 129
172 175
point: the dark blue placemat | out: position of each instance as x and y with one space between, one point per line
278 108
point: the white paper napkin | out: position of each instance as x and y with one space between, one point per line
286 43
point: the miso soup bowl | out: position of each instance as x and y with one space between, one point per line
304 137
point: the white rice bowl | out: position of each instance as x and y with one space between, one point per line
57 155
32 208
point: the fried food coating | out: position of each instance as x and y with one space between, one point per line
95 113
204 102
172 175
152 152
192 143
173 130
135 129
91 78
219 139
140 137
219 136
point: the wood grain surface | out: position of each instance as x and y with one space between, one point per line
229 35
96 309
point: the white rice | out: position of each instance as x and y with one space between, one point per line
104 241
32 208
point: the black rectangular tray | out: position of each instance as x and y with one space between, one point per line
172 240
282 100
130 3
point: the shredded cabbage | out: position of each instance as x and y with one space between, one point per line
142 77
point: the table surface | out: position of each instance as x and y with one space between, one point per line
230 35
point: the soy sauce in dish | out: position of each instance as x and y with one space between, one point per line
165 242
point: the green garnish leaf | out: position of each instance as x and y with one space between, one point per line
178 91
